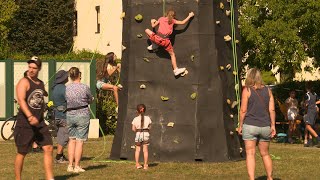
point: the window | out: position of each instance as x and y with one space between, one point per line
98 19
75 24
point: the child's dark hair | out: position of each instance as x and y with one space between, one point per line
141 109
171 14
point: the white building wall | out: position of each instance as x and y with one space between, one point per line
110 36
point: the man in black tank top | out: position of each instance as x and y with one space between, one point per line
30 125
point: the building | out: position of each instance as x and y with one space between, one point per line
98 26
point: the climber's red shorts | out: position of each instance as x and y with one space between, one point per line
164 42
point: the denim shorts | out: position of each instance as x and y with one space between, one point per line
250 132
78 126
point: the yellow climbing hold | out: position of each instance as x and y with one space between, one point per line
170 124
227 38
123 14
142 86
221 5
164 98
217 22
228 66
237 41
221 68
139 35
146 59
228 101
234 73
192 57
184 73
234 103
228 12
138 17
193 96
231 115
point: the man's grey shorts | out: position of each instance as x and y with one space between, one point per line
62 134
250 132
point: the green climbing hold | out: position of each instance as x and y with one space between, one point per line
193 96
138 18
192 57
146 59
139 35
164 98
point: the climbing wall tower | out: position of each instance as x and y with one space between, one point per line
193 117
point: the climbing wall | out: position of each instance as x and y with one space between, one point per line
194 117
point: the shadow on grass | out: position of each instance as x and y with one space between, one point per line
265 177
95 167
63 177
153 164
86 158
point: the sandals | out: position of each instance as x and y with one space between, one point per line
145 167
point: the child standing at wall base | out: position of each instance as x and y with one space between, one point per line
141 125
162 37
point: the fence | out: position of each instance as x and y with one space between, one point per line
11 71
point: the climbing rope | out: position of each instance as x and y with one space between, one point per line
235 58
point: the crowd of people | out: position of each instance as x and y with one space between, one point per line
256 123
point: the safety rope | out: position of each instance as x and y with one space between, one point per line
235 58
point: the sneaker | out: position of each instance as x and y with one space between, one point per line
70 168
78 169
178 71
152 47
61 160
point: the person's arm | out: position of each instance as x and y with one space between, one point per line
191 14
154 23
272 114
243 107
21 90
89 95
134 129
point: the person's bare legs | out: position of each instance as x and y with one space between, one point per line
59 149
250 158
145 156
47 159
18 165
78 152
136 155
311 131
110 87
71 150
290 130
173 59
264 152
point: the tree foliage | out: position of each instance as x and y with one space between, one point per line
43 27
281 33
7 9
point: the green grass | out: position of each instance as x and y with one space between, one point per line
296 162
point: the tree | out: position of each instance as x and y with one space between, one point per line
43 27
7 9
280 33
